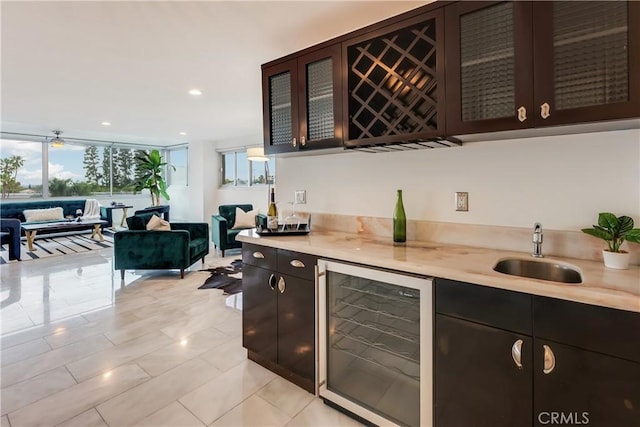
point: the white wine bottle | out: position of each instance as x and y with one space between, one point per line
272 213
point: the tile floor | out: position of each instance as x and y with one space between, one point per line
80 349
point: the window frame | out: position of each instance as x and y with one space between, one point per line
249 164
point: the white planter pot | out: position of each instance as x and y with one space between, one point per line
618 260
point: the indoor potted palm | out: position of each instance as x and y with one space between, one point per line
151 167
614 230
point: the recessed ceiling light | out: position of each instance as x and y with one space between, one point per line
183 133
195 92
106 123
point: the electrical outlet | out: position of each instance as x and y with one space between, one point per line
300 196
462 201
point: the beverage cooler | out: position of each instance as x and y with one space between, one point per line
375 343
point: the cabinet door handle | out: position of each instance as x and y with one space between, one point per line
303 141
297 263
281 285
516 353
549 360
522 114
272 281
258 255
544 110
294 142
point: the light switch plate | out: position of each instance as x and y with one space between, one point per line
462 201
300 196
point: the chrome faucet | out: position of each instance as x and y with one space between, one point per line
537 240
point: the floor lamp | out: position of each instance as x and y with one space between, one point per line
256 154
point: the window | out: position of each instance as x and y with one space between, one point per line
260 170
238 171
84 170
75 169
20 169
179 158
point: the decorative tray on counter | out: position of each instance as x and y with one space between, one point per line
293 225
281 232
295 230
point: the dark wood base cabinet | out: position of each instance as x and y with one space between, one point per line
571 364
278 317
474 366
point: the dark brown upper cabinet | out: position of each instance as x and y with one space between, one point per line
514 65
395 83
302 102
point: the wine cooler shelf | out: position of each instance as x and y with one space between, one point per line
378 324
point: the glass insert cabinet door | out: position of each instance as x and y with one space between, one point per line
513 65
489 66
302 102
586 59
280 107
375 344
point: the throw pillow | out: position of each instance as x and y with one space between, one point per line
245 219
139 222
43 214
158 224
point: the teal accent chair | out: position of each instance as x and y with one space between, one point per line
140 249
223 235
10 235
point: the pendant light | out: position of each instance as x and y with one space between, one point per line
57 142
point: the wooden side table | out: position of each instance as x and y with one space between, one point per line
124 212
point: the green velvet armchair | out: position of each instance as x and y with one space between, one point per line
223 235
142 249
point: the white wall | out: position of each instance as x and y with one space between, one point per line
201 198
561 181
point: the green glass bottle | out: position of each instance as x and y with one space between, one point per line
399 221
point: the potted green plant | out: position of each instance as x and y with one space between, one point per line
152 167
614 230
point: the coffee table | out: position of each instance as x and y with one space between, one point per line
30 230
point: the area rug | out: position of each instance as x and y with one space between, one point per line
53 246
228 278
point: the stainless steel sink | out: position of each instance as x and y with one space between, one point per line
543 270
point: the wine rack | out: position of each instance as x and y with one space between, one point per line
393 83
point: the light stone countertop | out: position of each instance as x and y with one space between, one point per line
601 286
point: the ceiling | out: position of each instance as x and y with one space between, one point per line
72 65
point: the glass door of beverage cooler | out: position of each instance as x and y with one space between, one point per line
375 344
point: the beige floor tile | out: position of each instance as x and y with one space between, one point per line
117 355
15 321
212 400
75 334
189 325
33 366
231 326
286 396
227 355
253 412
144 326
11 339
23 351
26 392
317 413
90 418
163 359
173 415
79 398
144 400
